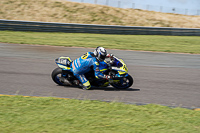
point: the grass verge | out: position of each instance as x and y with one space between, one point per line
178 44
27 114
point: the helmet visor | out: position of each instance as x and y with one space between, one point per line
102 57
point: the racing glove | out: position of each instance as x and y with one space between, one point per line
109 55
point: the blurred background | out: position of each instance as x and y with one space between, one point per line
186 7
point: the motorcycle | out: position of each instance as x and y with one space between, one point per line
112 66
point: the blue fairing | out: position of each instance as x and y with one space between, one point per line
117 63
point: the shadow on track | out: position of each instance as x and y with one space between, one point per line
113 89
105 88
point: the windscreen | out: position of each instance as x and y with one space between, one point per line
117 63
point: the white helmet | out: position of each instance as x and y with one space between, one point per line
100 53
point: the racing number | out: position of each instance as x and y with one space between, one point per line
84 56
125 68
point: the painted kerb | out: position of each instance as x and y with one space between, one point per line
14 25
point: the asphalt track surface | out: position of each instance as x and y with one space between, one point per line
160 78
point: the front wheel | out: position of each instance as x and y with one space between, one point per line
123 83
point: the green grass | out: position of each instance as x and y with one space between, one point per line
38 115
178 44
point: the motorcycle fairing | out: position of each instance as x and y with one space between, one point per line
64 63
119 66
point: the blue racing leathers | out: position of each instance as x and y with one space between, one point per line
83 65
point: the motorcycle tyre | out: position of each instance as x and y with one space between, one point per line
124 87
54 74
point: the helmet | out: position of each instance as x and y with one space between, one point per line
100 53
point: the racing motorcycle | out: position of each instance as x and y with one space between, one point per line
115 68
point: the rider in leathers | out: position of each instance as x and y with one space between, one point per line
88 61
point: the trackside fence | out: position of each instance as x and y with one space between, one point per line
14 25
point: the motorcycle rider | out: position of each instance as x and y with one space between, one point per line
87 62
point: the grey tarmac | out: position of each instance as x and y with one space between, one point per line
160 78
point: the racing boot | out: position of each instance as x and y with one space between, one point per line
77 82
85 87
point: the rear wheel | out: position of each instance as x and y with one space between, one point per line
56 75
123 83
